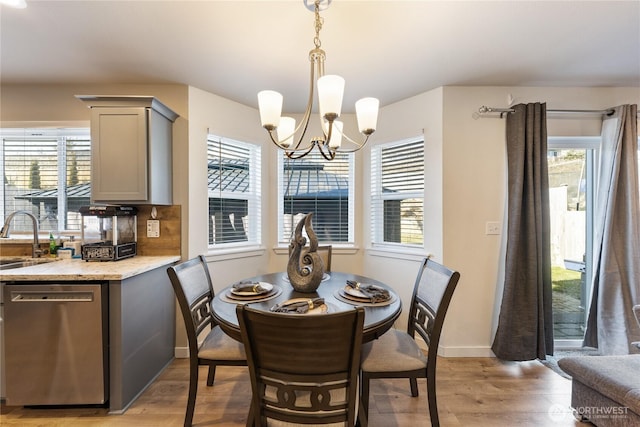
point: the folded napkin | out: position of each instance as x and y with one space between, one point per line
373 292
249 287
298 306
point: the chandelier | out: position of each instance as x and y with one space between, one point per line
283 130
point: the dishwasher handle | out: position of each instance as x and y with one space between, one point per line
62 296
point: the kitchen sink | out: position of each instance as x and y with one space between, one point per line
10 263
10 260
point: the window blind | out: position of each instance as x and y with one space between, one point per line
397 193
46 172
324 188
234 191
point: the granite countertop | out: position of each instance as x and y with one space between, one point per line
77 269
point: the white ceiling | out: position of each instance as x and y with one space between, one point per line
388 49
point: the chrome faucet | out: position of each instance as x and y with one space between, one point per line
4 232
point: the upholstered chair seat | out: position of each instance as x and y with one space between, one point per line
393 351
219 346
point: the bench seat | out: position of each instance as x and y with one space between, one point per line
605 389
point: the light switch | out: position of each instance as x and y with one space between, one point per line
153 228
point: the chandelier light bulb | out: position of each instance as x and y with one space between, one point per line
286 131
367 114
330 93
270 106
336 135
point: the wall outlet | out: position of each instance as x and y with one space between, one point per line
153 228
492 227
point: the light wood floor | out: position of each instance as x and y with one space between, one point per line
472 392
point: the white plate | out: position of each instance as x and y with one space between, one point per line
268 287
354 292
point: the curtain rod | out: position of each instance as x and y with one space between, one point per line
485 110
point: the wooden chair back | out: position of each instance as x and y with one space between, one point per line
325 252
432 294
193 288
303 368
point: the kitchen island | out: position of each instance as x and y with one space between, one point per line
139 314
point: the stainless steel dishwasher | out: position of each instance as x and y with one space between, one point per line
56 350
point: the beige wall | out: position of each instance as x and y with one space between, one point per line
465 182
416 116
474 192
58 104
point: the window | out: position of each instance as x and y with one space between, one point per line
46 172
397 193
234 192
324 188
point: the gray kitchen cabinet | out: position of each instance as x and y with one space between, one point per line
131 150
133 326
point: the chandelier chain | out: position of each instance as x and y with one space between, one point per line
318 25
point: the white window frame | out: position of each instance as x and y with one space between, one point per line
253 195
378 197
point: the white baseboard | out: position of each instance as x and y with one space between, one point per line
458 351
181 352
465 352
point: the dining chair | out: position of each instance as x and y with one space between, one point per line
208 344
325 252
396 354
303 368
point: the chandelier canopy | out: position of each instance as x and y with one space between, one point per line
283 130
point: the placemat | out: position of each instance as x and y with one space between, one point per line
277 290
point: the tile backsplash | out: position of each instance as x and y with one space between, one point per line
170 231
167 244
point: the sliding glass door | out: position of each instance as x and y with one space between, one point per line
572 170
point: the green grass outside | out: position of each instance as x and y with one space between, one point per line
565 281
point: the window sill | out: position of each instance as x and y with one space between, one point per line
399 252
344 250
224 254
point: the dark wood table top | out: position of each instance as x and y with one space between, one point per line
378 318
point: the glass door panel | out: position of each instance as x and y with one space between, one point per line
570 186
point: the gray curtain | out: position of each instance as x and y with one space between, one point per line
611 325
525 325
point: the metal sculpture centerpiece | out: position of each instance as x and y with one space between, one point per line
305 268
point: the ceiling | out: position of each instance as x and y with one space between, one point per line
391 50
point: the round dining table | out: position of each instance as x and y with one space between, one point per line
378 318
